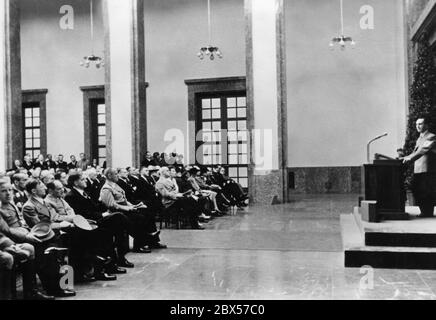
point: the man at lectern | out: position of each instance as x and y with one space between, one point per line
424 173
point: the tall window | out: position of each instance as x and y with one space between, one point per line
32 129
223 123
34 122
218 107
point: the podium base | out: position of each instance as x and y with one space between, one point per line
392 216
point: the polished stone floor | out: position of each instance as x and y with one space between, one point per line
290 251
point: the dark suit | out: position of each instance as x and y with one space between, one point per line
146 193
50 164
62 165
129 189
116 224
93 188
72 165
41 165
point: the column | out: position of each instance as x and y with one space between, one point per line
266 83
11 141
125 82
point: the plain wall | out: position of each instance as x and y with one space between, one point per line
175 30
339 100
50 59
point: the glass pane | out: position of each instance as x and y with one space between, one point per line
216 149
102 152
102 140
206 114
29 143
207 136
36 143
101 119
28 133
28 113
36 122
216 103
101 108
231 102
205 103
231 113
36 133
243 159
206 160
36 153
243 148
207 126
233 148
216 136
217 159
242 102
28 122
243 182
242 113
216 125
232 125
101 130
216 113
207 149
233 172
233 159
243 172
242 125
36 112
232 136
242 135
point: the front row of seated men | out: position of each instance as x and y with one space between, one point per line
127 205
95 254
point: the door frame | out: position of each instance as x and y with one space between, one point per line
90 94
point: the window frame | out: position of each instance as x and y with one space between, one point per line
35 97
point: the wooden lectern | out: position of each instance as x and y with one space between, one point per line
384 183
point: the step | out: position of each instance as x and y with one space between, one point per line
391 257
357 254
392 239
416 232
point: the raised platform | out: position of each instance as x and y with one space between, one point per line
407 244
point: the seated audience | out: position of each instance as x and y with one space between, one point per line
174 201
87 247
10 253
49 163
13 225
27 163
94 183
40 163
142 225
116 224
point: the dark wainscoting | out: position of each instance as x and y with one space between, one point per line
318 180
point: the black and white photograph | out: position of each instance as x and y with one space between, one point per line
205 152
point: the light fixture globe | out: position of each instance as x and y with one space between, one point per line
342 40
87 60
209 51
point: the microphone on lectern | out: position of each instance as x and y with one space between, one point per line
371 141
